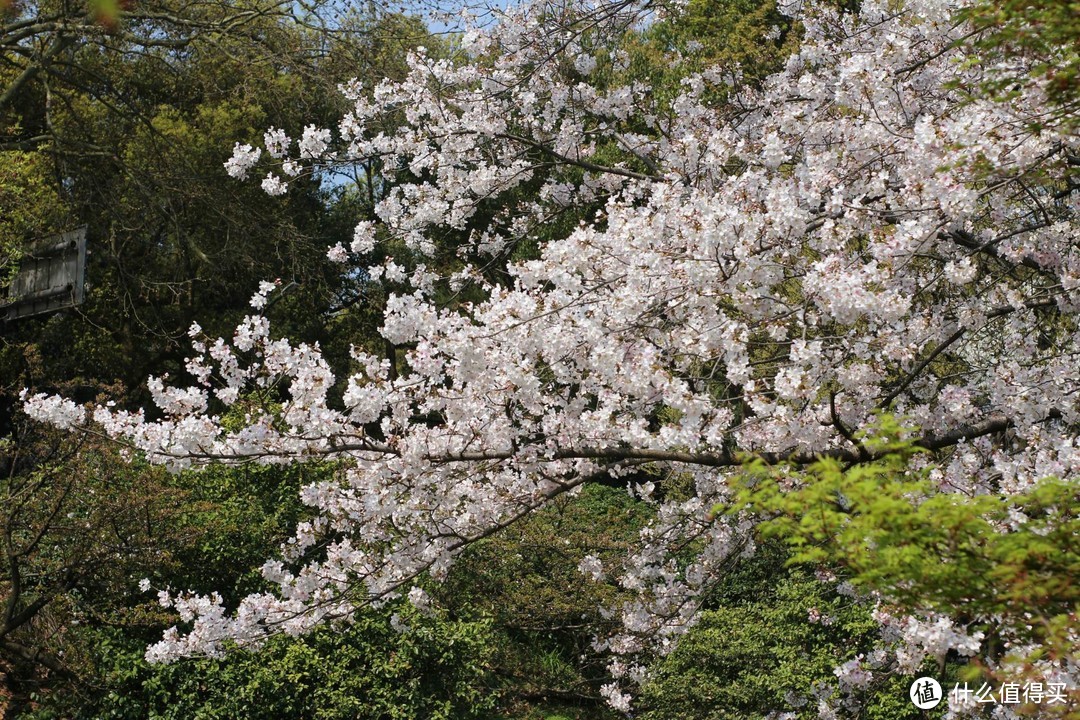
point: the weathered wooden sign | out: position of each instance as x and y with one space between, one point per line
51 276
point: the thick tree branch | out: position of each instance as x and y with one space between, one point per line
930 441
56 46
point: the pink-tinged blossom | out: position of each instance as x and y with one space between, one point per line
853 674
273 185
590 565
314 142
420 600
258 300
363 237
276 142
764 282
617 699
243 159
337 254
57 411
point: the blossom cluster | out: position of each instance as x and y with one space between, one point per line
861 235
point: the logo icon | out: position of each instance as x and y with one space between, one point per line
925 693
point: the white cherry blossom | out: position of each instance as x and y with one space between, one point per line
761 276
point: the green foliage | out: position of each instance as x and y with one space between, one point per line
545 612
175 240
1047 33
1007 562
757 653
133 146
32 207
106 12
78 523
436 669
220 524
239 517
748 36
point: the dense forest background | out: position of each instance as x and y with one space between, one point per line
118 117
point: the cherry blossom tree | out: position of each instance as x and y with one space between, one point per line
750 271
